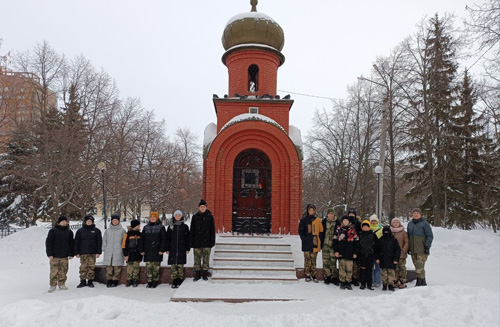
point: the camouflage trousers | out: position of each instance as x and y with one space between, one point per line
153 271
87 266
355 270
345 270
58 271
419 263
133 269
113 272
329 263
388 276
199 255
177 271
401 270
310 263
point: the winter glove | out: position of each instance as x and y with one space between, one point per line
427 250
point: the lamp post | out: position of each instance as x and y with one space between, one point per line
379 170
383 131
102 167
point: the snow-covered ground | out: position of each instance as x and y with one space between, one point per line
463 274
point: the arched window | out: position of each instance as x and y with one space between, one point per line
253 78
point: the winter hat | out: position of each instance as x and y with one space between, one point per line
386 230
177 212
154 214
397 219
373 217
61 219
310 205
365 222
134 223
330 210
115 216
352 210
202 203
417 210
89 217
345 217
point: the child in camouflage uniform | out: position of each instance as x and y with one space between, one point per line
346 247
330 270
88 247
387 253
131 252
59 248
310 229
153 245
177 247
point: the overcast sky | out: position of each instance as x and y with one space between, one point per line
168 53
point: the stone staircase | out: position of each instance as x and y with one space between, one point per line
252 259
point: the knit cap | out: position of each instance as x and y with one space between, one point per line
365 222
61 219
154 214
202 203
373 217
134 223
177 212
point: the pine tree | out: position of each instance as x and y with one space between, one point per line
468 172
428 128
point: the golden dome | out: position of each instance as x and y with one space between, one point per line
253 28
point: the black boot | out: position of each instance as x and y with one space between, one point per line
384 287
370 286
355 282
204 274
348 286
424 283
391 288
419 282
342 285
154 284
115 283
135 283
174 283
197 276
363 286
336 281
149 285
129 283
83 283
328 280
90 283
179 282
110 282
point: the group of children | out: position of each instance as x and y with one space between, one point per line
133 246
367 254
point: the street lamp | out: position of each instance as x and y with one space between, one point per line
379 170
383 131
102 167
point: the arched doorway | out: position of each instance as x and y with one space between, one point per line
252 193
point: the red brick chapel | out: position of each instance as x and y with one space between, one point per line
252 157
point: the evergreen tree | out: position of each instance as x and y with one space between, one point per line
429 143
468 174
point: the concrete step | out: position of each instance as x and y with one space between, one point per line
252 246
252 262
252 254
231 278
254 271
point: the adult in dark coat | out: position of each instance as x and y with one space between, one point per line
202 239
387 253
153 245
59 249
88 247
